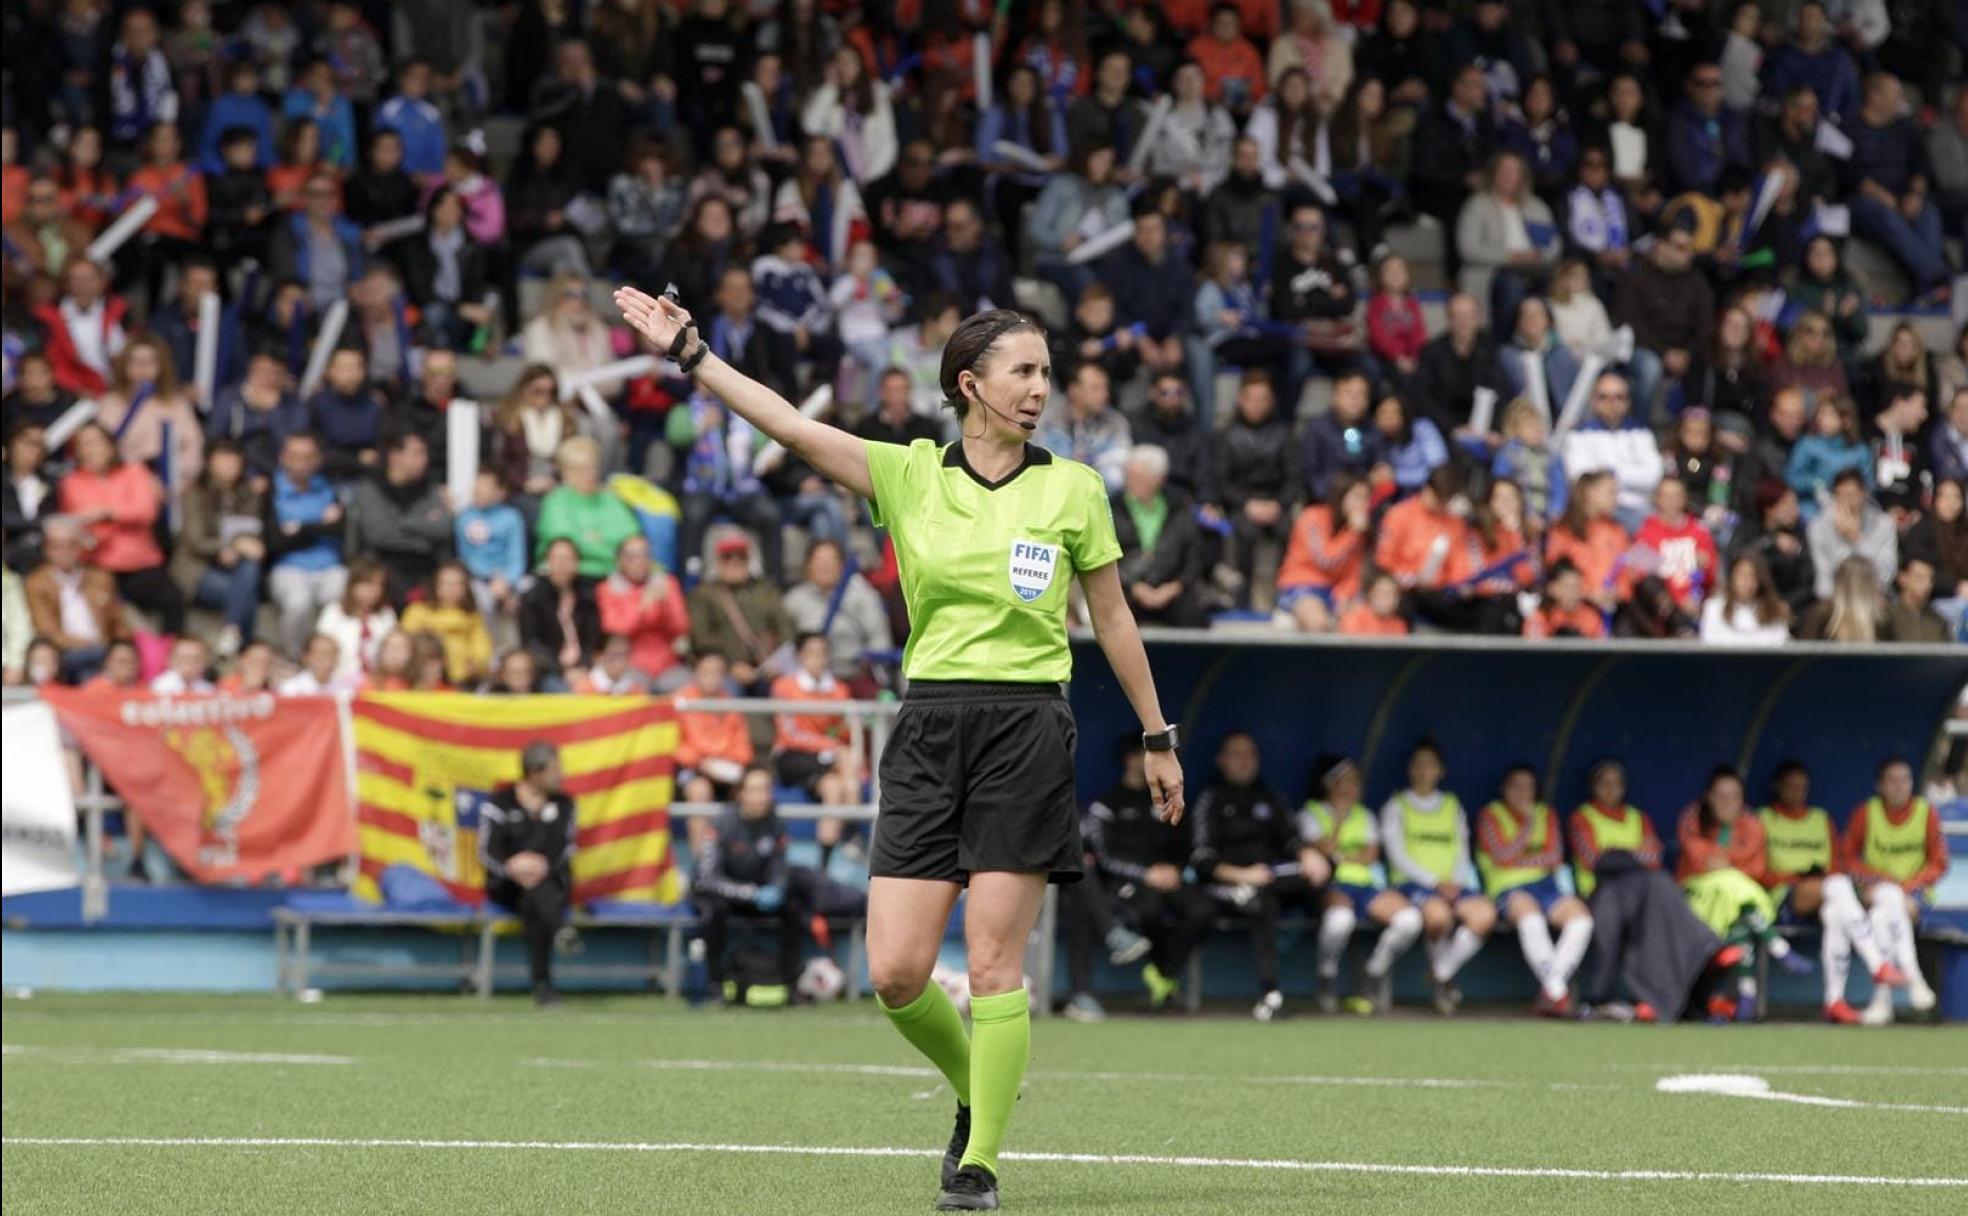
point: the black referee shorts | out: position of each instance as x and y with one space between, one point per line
979 776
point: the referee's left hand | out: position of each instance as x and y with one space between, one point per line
1164 773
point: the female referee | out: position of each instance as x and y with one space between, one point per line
977 778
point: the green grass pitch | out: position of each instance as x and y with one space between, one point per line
636 1105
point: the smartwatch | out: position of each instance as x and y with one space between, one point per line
1163 740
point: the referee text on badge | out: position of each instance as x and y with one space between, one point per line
1032 565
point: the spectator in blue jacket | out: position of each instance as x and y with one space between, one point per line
1704 138
317 247
1542 134
258 413
1890 203
239 106
1152 287
303 536
419 123
176 326
1414 446
968 265
1813 58
1340 442
346 413
1832 447
316 96
491 542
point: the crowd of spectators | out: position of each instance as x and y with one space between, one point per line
1652 406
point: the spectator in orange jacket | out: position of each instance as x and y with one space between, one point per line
118 502
645 604
1233 71
1593 540
713 749
1320 574
1564 612
1378 614
178 226
812 751
1419 536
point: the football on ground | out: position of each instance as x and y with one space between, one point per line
173 1104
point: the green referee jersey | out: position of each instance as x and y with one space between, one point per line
985 568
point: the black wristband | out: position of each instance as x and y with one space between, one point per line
689 363
680 342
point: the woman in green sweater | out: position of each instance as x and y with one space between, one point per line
584 511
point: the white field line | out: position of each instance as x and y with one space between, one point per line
894 1070
1757 1089
1810 1070
316 1016
803 1150
162 1055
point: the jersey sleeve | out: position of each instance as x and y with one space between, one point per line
1094 543
897 473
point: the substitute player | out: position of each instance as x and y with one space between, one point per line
1340 826
1801 859
1426 841
977 778
1895 854
1518 852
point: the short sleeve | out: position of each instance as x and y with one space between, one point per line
1094 542
896 472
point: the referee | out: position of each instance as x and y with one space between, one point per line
977 778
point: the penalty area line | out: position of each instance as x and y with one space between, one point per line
801 1150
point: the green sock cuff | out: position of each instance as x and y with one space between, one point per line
1003 1007
928 999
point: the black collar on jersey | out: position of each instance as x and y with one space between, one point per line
953 458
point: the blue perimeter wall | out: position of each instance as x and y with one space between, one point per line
1671 712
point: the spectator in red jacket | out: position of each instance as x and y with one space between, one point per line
1395 329
713 749
119 502
83 330
1683 554
645 604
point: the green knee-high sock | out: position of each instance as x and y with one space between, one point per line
933 1026
1000 1045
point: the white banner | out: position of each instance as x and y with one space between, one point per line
37 808
461 439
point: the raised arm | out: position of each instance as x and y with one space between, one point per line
833 452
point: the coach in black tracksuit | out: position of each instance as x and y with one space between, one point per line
742 871
526 844
1140 860
1247 850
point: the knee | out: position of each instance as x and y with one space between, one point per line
1436 918
1520 908
996 966
896 982
1886 896
1479 919
1340 920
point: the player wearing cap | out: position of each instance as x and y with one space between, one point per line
977 777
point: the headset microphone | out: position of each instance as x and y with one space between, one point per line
1022 424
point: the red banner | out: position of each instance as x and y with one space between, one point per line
232 787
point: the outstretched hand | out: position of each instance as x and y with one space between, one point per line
1164 774
657 318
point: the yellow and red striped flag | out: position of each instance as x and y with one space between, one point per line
425 761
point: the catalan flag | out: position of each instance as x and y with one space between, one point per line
424 761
